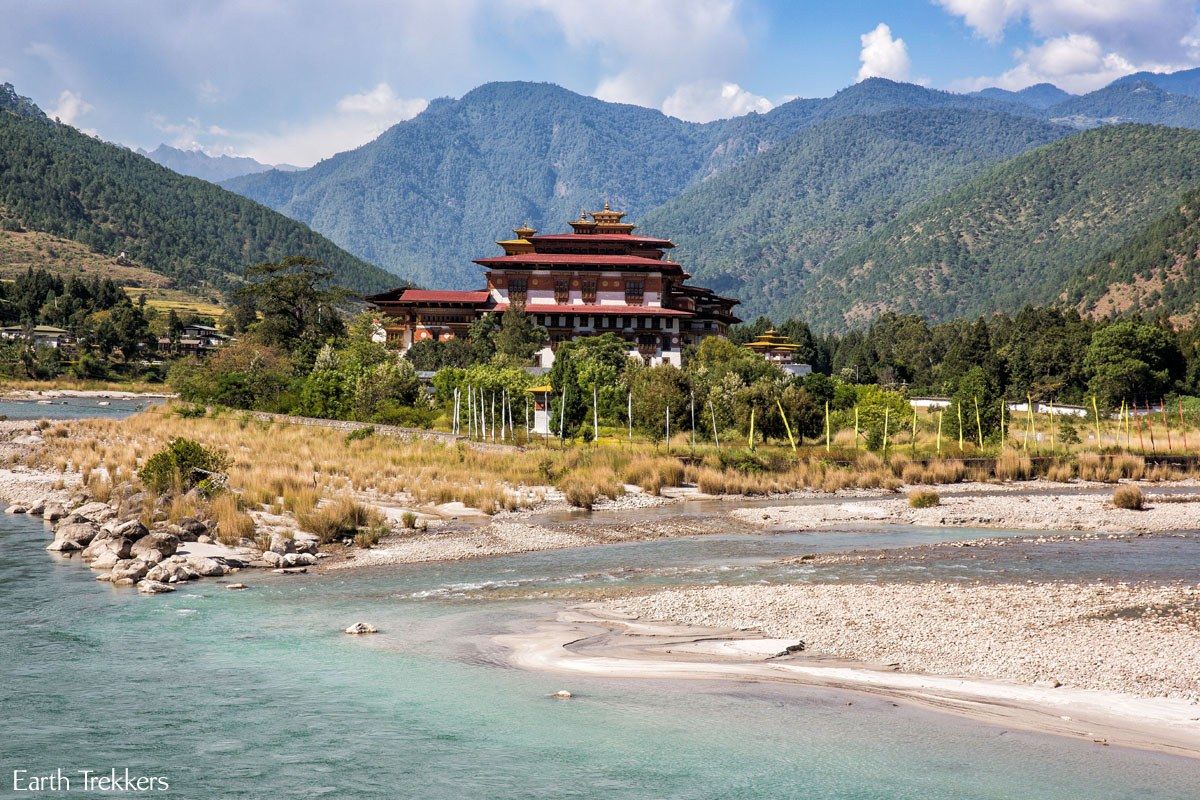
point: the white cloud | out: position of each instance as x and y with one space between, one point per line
1084 44
208 92
675 55
70 107
704 101
382 102
355 120
883 56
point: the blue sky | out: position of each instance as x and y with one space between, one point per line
297 80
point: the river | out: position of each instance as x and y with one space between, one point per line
257 693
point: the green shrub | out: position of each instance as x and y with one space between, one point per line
744 461
360 433
183 465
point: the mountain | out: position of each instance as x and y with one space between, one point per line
58 181
759 228
1183 82
431 193
214 169
1016 234
1129 101
1040 96
1156 271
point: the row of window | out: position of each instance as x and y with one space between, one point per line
518 291
616 323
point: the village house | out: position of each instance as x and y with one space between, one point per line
600 278
195 340
40 335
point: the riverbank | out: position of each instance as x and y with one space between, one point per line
612 641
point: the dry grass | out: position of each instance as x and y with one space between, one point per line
232 523
653 474
340 519
923 498
1128 497
583 487
1013 466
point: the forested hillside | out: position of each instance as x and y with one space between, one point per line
1156 270
431 193
1131 101
1016 234
757 229
57 180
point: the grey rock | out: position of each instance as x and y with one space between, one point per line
105 562
207 567
299 560
156 545
119 547
74 536
131 569
53 512
281 544
202 539
37 508
96 511
193 526
272 558
131 529
16 508
237 586
173 570
154 587
361 628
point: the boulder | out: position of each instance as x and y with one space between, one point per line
132 530
129 569
37 508
237 586
193 526
104 563
361 628
204 539
72 536
173 570
156 546
154 587
272 558
299 560
562 694
305 545
120 547
96 511
53 512
207 567
281 544
16 508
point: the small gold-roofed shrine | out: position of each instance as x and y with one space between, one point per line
774 346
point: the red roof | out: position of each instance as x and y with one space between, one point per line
578 258
600 310
439 296
602 237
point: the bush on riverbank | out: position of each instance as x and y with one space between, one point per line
924 498
182 465
1128 497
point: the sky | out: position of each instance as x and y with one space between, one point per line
295 81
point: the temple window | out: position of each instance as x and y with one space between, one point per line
562 291
589 290
518 290
634 292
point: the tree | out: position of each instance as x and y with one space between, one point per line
174 330
297 302
655 390
1130 360
393 382
518 337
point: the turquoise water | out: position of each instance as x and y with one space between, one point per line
257 694
72 408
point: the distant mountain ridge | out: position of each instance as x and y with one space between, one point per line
430 193
214 169
1016 234
1040 95
58 181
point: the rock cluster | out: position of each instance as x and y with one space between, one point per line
113 540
